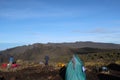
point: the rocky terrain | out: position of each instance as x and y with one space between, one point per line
40 72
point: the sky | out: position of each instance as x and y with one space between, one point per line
25 22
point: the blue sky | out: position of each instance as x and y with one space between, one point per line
41 21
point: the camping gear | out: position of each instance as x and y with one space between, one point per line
104 68
60 64
7 65
74 69
4 65
14 65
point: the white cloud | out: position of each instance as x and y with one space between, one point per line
99 31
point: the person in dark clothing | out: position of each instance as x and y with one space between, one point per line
62 72
46 60
1 60
11 59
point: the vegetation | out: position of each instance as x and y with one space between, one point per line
98 53
30 56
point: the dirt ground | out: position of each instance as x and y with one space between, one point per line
51 73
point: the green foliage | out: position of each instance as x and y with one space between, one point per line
105 57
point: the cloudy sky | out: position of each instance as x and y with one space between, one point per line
41 21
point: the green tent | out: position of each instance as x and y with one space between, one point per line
75 70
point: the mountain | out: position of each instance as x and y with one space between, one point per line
88 44
55 51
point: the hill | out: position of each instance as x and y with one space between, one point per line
59 51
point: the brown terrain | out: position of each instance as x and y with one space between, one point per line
94 56
40 72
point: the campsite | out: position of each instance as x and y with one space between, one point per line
59 39
41 72
100 64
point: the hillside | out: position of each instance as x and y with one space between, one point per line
88 44
60 51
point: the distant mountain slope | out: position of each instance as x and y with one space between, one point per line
89 44
37 51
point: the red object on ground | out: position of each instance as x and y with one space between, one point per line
14 65
4 65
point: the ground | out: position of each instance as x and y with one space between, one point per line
52 73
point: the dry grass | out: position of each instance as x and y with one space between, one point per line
117 62
94 63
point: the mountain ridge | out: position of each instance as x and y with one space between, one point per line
37 51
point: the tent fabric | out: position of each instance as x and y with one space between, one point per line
14 65
75 71
4 65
